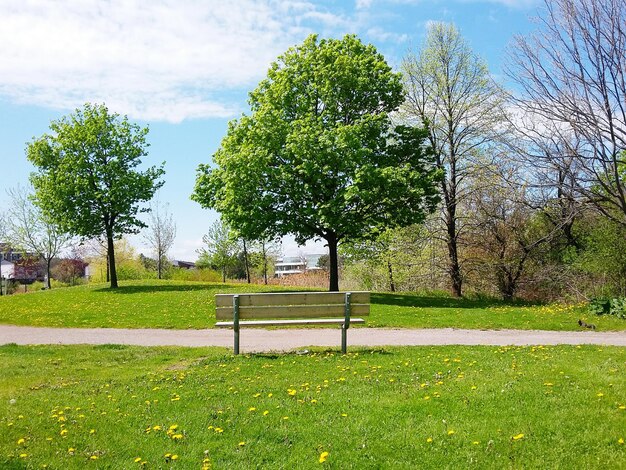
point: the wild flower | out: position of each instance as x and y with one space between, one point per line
323 457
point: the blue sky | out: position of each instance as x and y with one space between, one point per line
185 67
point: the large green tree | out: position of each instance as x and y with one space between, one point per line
87 179
319 157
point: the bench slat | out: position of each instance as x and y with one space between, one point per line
325 321
291 298
291 311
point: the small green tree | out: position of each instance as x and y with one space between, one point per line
221 248
319 157
87 180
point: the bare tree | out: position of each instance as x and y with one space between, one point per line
29 229
572 74
160 234
508 232
450 90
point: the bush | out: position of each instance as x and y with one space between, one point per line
603 306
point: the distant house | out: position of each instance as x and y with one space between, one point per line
183 264
20 266
296 265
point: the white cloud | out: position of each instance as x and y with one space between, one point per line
162 60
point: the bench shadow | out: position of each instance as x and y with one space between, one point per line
412 300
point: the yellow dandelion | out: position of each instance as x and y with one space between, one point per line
620 441
94 457
71 450
23 456
600 395
291 392
476 443
177 437
92 431
622 407
265 413
21 441
242 443
429 440
451 432
252 408
174 456
517 437
324 456
156 428
138 459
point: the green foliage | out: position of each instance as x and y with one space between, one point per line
319 157
602 306
87 178
423 407
603 255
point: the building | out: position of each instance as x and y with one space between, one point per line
296 265
183 264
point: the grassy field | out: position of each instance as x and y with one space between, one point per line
180 304
427 407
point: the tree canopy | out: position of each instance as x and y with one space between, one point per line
87 179
319 156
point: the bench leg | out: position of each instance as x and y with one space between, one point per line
344 339
236 348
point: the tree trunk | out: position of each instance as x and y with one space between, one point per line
334 265
454 269
224 274
108 273
111 264
392 286
48 284
264 263
159 266
245 260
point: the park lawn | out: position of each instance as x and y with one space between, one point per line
182 305
422 407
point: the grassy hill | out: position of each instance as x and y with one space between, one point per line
182 305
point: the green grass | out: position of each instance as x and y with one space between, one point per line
427 407
181 304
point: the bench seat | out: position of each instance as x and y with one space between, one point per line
291 308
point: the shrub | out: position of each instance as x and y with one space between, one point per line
603 306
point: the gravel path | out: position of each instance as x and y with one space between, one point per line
256 340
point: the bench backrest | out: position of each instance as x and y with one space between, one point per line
292 305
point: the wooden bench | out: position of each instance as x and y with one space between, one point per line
292 308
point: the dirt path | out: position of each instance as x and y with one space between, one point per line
255 340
